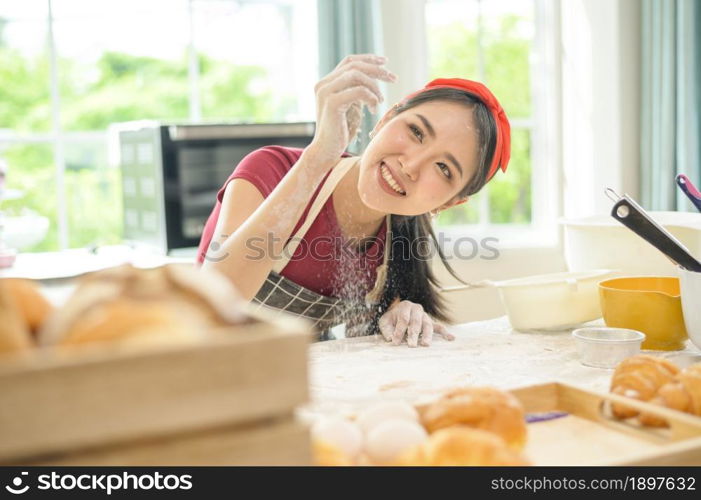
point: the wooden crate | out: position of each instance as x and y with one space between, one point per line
276 442
589 435
52 404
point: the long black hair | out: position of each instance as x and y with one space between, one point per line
411 278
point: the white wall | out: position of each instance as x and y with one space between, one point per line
601 94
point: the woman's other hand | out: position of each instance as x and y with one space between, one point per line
406 319
339 97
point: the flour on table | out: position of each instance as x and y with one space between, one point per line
483 353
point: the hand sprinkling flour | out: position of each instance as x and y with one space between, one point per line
340 96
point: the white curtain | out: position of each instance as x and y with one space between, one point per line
349 27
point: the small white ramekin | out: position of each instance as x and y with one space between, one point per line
603 347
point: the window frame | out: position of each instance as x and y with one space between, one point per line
544 126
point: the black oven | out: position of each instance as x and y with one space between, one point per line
171 173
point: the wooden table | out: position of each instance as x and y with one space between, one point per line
349 374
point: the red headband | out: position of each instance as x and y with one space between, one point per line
502 152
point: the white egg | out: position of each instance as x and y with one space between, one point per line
339 432
381 412
388 440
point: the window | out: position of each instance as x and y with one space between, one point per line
497 43
267 50
123 60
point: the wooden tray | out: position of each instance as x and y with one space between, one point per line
589 435
52 403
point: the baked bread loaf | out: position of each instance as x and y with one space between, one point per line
462 446
639 377
483 408
682 393
167 304
14 331
128 320
31 303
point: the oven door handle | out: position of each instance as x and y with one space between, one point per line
178 133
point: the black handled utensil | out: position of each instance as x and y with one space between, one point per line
634 217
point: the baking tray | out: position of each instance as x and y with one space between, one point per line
587 433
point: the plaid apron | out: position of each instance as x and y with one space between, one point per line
285 296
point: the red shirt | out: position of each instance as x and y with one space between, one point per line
321 262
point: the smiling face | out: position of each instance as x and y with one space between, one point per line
419 159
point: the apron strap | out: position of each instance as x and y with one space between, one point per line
375 295
337 173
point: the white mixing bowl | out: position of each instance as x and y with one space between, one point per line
601 242
552 301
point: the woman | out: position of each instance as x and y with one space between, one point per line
306 231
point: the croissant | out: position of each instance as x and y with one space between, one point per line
683 393
482 408
326 454
639 377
